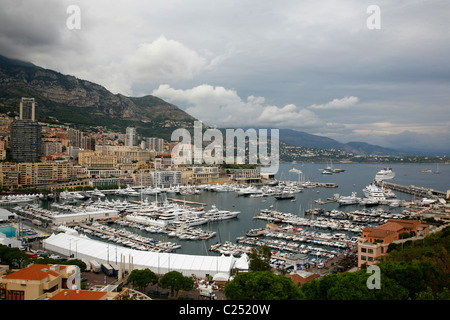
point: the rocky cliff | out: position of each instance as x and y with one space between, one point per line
81 102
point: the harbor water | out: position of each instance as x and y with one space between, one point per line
353 179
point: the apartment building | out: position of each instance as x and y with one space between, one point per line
201 174
9 175
29 174
162 179
163 161
3 147
374 242
127 154
156 144
32 174
25 142
34 282
245 175
46 282
96 160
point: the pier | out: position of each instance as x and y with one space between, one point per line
418 191
127 238
188 202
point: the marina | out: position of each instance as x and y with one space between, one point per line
230 219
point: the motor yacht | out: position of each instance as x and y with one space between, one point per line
373 192
348 200
215 214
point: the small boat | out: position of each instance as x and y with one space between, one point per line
255 232
285 196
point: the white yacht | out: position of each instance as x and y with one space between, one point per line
131 192
69 195
223 188
247 191
98 193
150 190
215 214
369 202
347 200
373 192
385 174
190 221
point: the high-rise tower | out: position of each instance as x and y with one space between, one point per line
26 134
27 109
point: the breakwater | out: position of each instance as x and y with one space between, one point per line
411 189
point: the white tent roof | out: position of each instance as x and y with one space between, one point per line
221 277
83 247
243 262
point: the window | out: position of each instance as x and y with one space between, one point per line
370 251
363 250
16 295
363 258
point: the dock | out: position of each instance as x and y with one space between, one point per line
187 202
418 191
112 234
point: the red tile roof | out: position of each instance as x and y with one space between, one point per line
78 295
33 272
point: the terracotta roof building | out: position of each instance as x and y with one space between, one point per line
374 242
80 295
301 277
46 282
34 282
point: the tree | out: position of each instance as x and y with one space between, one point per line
14 256
262 285
415 277
142 278
259 258
176 281
352 286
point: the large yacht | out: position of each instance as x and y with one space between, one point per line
347 200
215 214
373 192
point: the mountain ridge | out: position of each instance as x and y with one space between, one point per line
58 96
303 139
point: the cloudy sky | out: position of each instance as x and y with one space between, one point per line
333 68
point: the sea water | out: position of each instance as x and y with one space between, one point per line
353 179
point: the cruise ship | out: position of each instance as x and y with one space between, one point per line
385 174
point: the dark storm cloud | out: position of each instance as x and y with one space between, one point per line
308 65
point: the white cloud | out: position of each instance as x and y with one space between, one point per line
337 104
223 107
289 116
213 105
164 60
